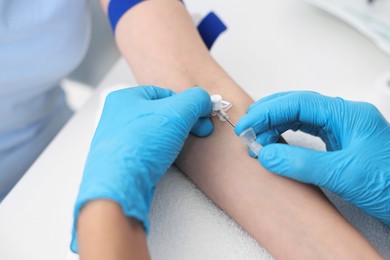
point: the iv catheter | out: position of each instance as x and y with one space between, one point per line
248 137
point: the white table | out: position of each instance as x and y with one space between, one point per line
270 46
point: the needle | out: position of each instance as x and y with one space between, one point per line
229 121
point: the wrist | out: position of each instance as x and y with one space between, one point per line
105 232
130 195
133 196
133 207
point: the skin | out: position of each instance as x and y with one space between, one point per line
290 219
118 237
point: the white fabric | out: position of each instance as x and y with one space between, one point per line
40 43
185 224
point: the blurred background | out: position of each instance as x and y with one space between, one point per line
101 56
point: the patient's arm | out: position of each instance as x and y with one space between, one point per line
289 219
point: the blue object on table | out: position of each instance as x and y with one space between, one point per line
117 8
210 28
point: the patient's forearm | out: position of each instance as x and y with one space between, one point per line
290 219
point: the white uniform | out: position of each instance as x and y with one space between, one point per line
41 42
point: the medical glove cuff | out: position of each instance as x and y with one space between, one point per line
134 193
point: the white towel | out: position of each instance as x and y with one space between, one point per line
185 224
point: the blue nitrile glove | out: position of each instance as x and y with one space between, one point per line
140 134
357 137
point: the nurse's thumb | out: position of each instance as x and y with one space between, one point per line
195 101
301 164
195 104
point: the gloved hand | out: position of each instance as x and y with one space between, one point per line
357 137
140 134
